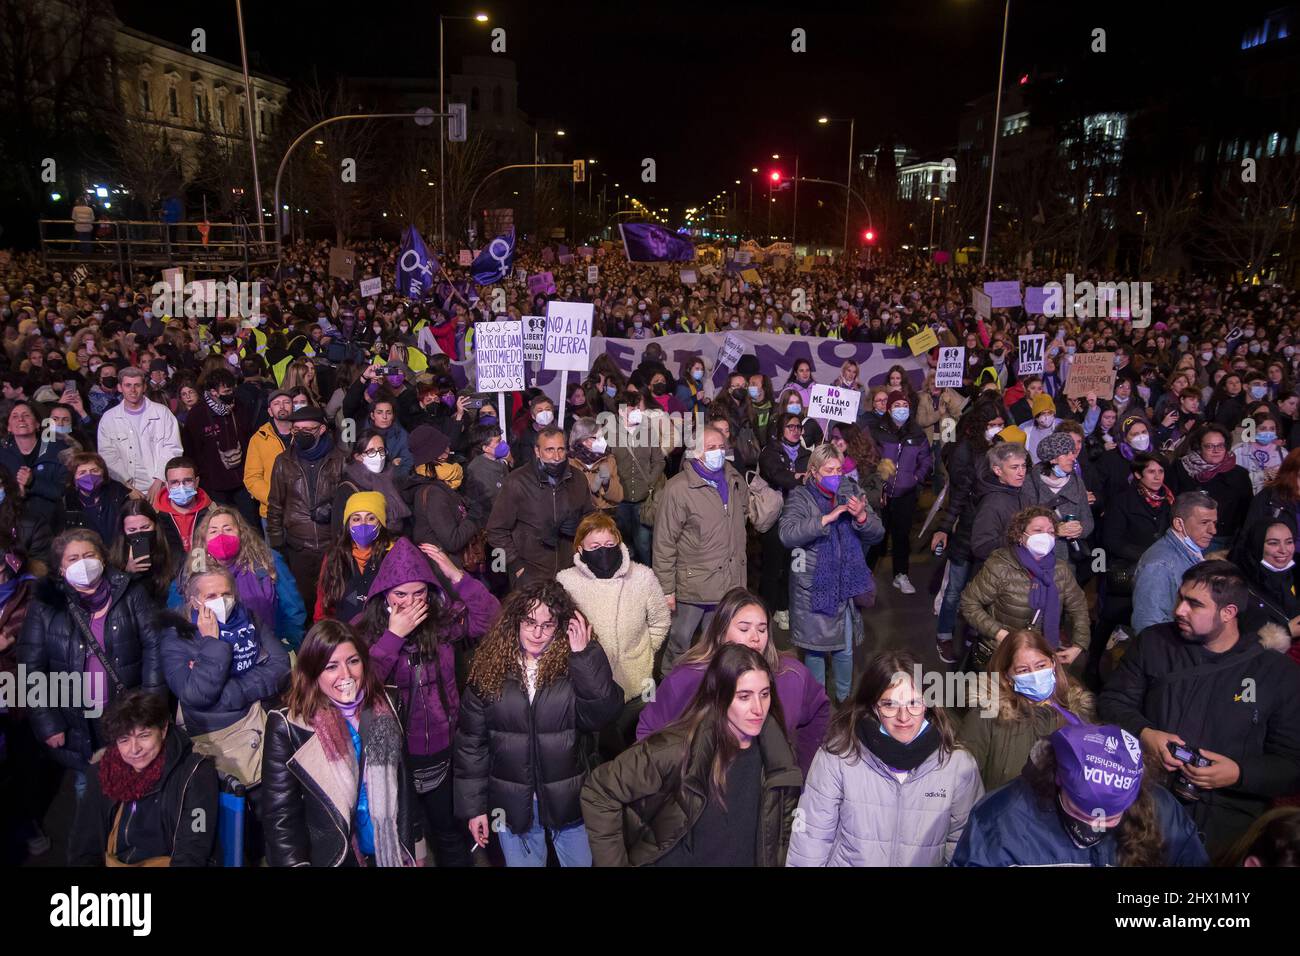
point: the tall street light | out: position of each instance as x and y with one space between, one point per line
848 181
442 124
536 131
997 124
252 126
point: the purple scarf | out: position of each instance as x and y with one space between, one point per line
257 595
94 601
717 479
1043 593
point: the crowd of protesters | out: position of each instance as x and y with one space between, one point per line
291 554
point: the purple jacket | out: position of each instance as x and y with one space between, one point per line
910 451
433 706
804 702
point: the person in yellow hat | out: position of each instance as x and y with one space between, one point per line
353 560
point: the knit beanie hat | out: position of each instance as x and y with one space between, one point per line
371 501
1054 446
1042 403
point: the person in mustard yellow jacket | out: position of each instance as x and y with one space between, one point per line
265 446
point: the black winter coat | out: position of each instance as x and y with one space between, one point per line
439 515
162 822
1232 490
304 826
776 468
1131 525
1170 684
508 749
103 515
966 467
55 638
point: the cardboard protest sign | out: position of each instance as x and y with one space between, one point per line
568 336
465 258
751 276
342 263
499 356
1032 348
1091 372
688 276
1003 295
836 404
952 363
922 342
534 334
1035 297
541 284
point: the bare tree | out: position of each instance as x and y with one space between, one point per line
467 165
1168 210
408 194
1246 221
146 163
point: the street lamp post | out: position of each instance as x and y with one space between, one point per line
442 125
252 126
848 180
997 123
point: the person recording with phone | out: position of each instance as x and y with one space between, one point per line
1215 706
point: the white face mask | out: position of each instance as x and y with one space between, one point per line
221 607
991 432
634 417
85 573
1140 442
1045 421
1040 544
598 445
374 464
714 458
544 417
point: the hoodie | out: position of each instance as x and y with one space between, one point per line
178 525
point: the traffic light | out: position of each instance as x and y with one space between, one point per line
456 123
869 236
579 170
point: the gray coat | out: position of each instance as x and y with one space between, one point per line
801 529
1071 499
855 812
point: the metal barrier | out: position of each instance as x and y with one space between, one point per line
198 247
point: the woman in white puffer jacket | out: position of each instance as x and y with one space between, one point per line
628 613
889 787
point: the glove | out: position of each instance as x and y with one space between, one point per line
887 468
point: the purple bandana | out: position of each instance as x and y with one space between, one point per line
1098 767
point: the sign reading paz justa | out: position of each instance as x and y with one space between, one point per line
1091 372
1031 354
568 336
499 356
952 363
836 404
534 337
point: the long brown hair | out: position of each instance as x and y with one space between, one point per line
882 672
861 447
162 569
1139 839
499 655
715 636
705 722
1286 483
305 695
1012 706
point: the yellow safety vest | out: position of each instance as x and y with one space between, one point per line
416 360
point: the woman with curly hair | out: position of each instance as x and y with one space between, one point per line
1082 800
538 683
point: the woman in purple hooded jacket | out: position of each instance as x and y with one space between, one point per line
742 618
413 614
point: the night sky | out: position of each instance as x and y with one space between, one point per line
711 90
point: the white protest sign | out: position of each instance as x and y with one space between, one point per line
952 363
534 337
499 356
982 303
732 349
568 336
688 276
1031 354
836 404
593 275
371 287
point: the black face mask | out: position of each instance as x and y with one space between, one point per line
108 382
739 394
1083 834
553 469
660 388
603 562
305 441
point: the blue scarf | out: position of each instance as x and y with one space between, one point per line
319 450
240 633
1043 593
841 573
717 479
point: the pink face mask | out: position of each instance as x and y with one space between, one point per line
223 547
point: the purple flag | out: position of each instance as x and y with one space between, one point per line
646 242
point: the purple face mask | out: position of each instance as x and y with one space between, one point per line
364 535
395 381
89 484
501 452
831 483
1098 767
449 399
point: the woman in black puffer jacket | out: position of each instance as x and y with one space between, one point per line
537 685
84 602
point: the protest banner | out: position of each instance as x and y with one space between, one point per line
1091 372
834 404
1003 295
751 276
1031 352
541 284
465 257
922 342
688 276
731 351
568 342
1035 297
952 363
371 287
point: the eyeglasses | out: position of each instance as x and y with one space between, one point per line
543 629
1219 447
373 453
891 708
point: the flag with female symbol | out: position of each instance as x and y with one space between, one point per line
415 266
495 261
